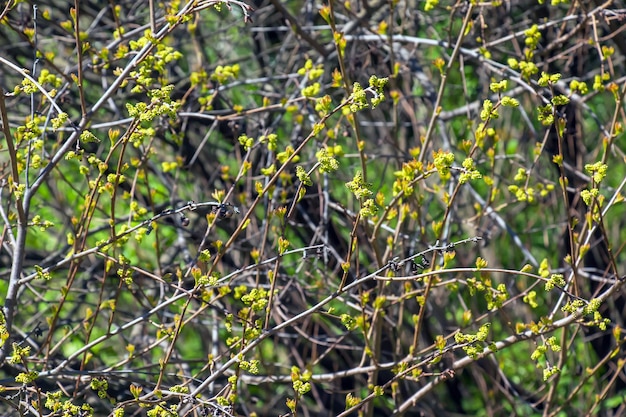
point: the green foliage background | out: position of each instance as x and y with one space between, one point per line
302 208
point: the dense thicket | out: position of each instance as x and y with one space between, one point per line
319 209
